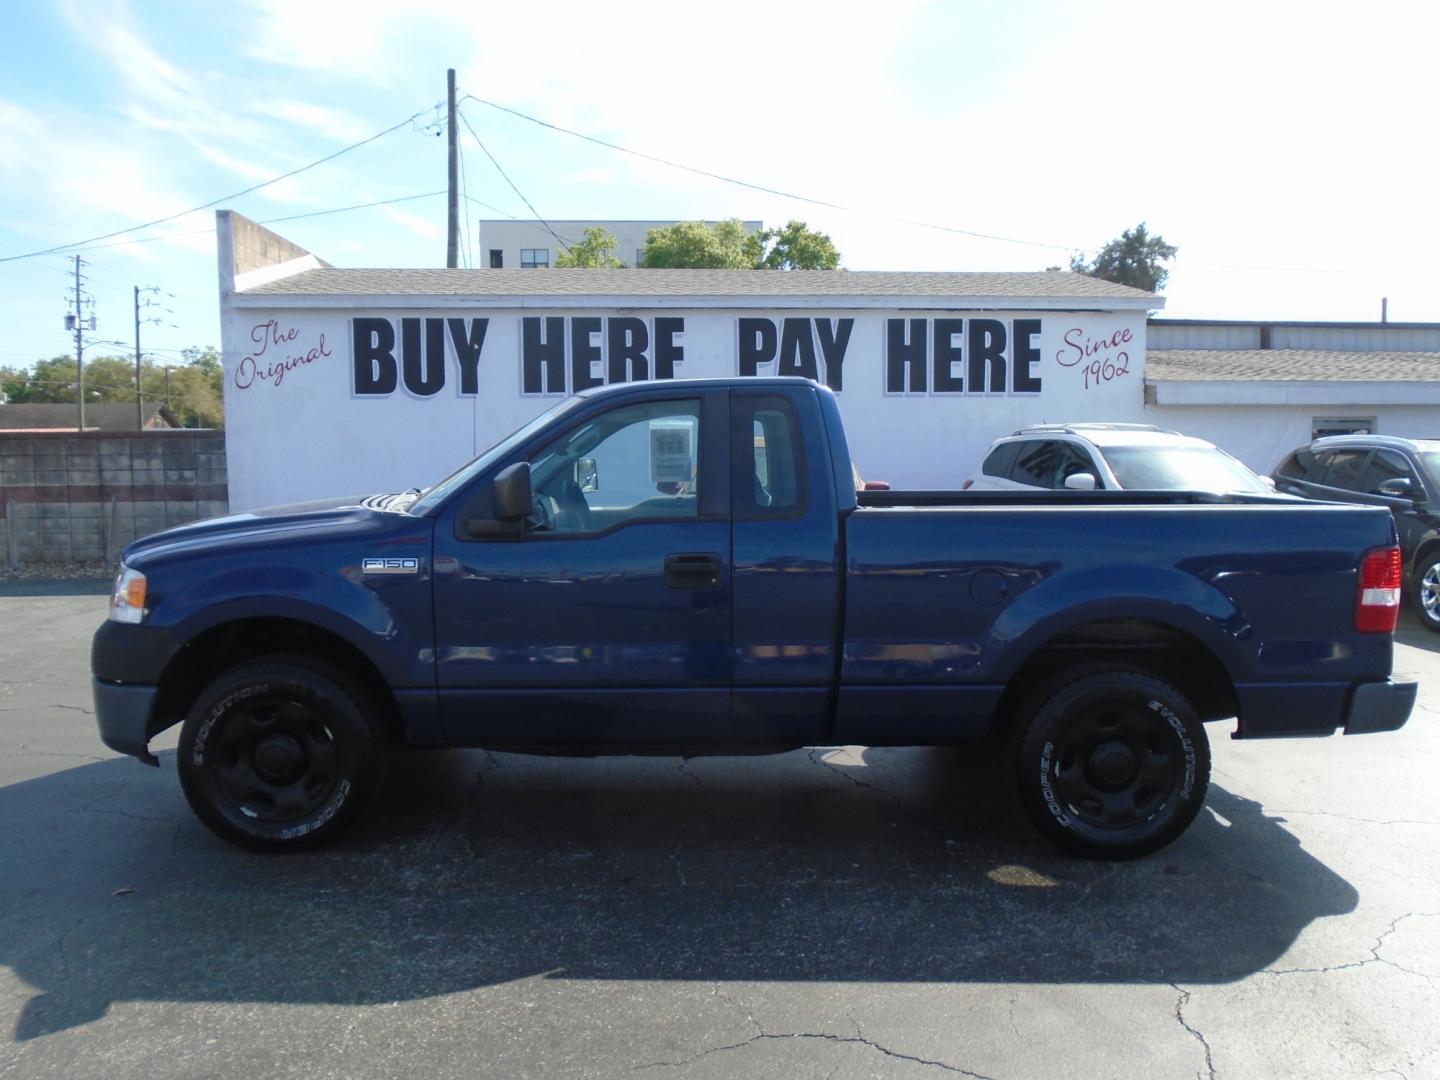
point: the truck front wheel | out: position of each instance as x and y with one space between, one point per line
279 754
1112 765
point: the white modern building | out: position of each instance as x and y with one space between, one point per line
510 244
345 381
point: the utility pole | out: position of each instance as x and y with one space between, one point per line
452 247
139 392
79 346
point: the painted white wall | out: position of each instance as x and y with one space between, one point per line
296 429
1261 435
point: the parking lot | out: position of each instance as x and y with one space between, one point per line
831 913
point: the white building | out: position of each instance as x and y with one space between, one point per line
342 381
511 244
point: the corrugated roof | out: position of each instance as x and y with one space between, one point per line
696 283
1289 365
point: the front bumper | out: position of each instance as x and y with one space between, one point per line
123 712
1380 706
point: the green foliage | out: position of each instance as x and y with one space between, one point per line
798 247
727 246
1135 259
595 252
194 386
697 246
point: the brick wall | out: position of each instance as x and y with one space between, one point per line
67 497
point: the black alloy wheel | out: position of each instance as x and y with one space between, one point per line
279 754
1112 765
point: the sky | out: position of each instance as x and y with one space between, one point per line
1285 148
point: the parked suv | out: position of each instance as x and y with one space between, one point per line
1381 470
1092 455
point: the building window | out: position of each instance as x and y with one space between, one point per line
1320 426
497 259
532 258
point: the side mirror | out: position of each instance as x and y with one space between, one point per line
512 499
1397 487
1081 481
587 474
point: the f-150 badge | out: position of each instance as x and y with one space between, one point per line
390 566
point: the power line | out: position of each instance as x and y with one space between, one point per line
466 121
223 198
497 209
761 187
465 249
266 221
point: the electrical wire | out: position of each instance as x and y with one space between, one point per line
223 198
466 121
497 209
266 221
761 187
465 249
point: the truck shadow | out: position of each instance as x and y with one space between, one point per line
475 869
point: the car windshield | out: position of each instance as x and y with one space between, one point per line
437 493
1181 468
1431 460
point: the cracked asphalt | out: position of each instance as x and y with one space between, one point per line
830 913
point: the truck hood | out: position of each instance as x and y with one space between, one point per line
270 522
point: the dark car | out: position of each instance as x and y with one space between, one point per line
1381 470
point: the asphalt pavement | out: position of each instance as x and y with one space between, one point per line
832 913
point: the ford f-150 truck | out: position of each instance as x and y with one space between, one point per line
685 567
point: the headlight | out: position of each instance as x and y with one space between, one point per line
128 603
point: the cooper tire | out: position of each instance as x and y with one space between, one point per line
1112 765
1425 595
280 754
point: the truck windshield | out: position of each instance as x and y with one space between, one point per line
1166 468
436 494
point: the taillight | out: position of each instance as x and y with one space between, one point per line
1377 605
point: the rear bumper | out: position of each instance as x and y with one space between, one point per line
123 713
1380 706
1316 709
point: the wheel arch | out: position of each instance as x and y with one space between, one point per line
228 643
1157 647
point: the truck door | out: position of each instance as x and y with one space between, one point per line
607 620
786 537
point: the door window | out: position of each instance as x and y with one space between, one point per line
1074 460
1035 463
1347 469
640 462
999 460
768 473
1387 465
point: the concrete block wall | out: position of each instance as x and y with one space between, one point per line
67 497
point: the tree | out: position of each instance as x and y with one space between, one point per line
727 246
1134 259
194 392
798 247
595 252
694 245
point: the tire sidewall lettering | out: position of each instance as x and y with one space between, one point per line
1187 785
1047 790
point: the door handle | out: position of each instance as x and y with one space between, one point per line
693 571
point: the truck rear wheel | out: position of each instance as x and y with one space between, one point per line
279 754
1113 764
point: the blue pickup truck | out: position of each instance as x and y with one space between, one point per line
686 567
